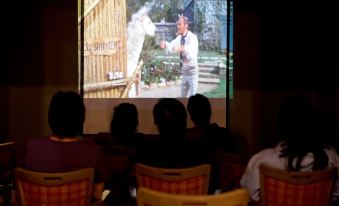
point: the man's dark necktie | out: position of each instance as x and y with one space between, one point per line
182 42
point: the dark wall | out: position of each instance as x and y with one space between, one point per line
281 48
296 51
39 43
29 27
21 56
21 43
297 40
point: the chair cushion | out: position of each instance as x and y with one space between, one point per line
70 194
285 194
193 185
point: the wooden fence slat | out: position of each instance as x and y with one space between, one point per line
105 37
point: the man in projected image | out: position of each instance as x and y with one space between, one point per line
186 44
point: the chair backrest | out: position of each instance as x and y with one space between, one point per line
7 156
193 180
64 188
286 188
231 168
7 165
148 197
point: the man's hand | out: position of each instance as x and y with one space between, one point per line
162 44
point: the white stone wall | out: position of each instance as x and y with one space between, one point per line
165 31
210 12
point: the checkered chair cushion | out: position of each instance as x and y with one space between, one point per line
189 181
286 194
73 194
72 188
283 188
192 186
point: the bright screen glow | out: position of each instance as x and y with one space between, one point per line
120 54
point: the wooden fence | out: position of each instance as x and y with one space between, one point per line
104 48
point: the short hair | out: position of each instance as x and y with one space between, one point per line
170 117
199 109
66 114
124 119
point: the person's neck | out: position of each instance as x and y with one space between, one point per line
64 139
184 33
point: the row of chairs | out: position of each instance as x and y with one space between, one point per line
229 167
7 164
188 186
278 187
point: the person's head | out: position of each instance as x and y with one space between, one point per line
66 114
182 25
124 119
199 109
296 120
298 128
170 117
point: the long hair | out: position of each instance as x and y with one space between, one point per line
299 130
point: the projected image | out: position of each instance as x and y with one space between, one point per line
154 49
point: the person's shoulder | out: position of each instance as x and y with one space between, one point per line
88 146
216 127
329 149
190 33
263 156
272 151
39 141
139 135
195 133
331 154
266 152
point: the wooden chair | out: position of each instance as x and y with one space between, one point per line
231 168
285 188
193 180
148 197
65 188
7 165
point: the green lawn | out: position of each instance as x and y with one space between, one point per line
158 52
220 91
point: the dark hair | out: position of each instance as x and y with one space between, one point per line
124 119
199 108
298 128
170 117
66 114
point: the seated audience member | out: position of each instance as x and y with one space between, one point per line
171 150
300 150
124 125
123 132
65 150
211 134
